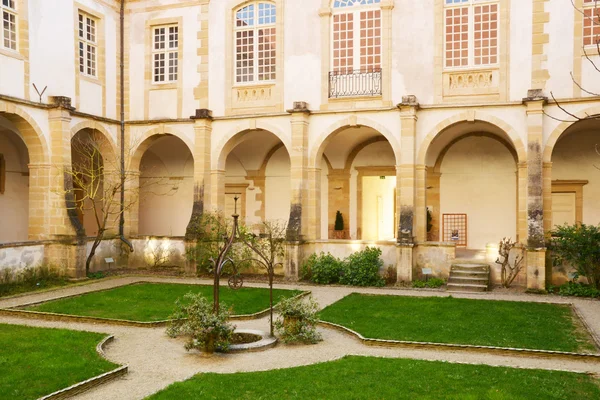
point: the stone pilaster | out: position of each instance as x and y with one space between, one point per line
203 132
433 201
547 174
536 269
39 195
407 187
522 177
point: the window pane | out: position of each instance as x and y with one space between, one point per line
159 67
173 66
91 60
343 39
266 14
244 56
159 38
266 54
81 57
245 16
173 37
9 27
486 34
457 37
370 40
350 3
591 26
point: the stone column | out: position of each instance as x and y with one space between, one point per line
314 204
338 181
39 184
298 225
217 191
536 248
203 131
433 200
63 222
522 177
406 185
547 174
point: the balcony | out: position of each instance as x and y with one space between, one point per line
356 83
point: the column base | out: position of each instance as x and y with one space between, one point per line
294 256
536 270
404 262
69 256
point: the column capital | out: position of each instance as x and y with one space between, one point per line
409 104
202 114
61 102
299 107
535 101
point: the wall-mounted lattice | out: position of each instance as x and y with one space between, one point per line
455 229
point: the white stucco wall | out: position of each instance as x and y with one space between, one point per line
479 179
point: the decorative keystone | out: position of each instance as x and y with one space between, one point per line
202 113
300 106
409 101
61 101
535 95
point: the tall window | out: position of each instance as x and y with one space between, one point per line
255 43
165 53
356 36
471 33
87 45
591 22
9 24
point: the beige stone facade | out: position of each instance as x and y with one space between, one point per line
303 109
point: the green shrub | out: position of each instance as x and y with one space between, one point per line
575 289
362 268
28 279
579 246
194 317
298 320
322 269
432 283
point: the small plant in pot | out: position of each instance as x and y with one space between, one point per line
206 331
297 322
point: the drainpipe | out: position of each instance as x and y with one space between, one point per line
122 95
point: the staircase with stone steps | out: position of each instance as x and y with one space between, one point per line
469 277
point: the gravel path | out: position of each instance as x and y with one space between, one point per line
155 360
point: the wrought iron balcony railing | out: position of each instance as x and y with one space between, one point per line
355 83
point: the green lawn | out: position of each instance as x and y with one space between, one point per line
461 321
380 378
38 361
156 301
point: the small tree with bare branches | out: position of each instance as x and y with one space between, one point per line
510 267
93 185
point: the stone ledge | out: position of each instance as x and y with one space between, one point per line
266 342
506 351
88 384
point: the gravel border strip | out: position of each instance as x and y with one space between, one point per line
593 334
472 348
88 384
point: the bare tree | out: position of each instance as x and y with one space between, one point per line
510 268
93 185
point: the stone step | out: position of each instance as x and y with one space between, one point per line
462 272
468 279
466 287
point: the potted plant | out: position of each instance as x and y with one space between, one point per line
339 225
298 320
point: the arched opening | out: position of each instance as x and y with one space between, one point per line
94 175
14 184
359 165
576 175
257 172
166 192
472 187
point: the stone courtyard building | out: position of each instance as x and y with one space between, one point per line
385 110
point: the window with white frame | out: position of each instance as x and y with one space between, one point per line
88 48
9 24
255 43
165 53
356 36
591 22
472 30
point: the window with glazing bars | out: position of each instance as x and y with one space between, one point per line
165 54
88 47
255 50
591 22
9 24
356 36
471 33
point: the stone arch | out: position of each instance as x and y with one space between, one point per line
563 127
236 136
352 156
352 121
467 116
30 132
106 140
148 138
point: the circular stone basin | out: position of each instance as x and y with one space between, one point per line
251 340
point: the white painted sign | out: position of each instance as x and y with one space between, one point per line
426 271
109 260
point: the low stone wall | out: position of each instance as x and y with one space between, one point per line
18 256
438 256
152 251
